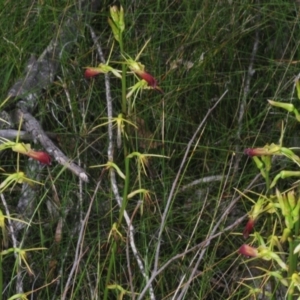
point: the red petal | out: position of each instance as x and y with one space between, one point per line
248 250
91 72
41 156
147 77
248 229
258 151
150 80
250 152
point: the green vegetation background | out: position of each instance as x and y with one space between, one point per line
198 50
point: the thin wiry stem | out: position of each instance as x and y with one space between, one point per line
201 255
206 241
180 255
175 182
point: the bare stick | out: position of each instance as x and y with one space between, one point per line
39 75
206 179
127 251
13 134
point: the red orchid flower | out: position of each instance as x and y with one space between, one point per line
152 82
139 69
101 69
256 210
25 149
248 251
266 150
41 156
91 72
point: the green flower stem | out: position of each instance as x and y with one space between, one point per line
124 70
124 100
110 267
268 183
124 201
296 226
292 257
125 191
292 265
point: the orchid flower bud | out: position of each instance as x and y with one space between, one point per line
247 250
287 106
116 22
101 69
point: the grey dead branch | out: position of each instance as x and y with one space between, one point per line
39 74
